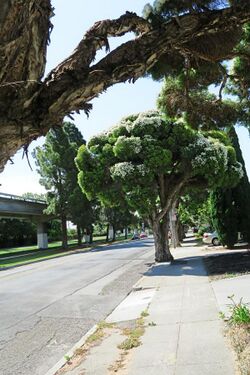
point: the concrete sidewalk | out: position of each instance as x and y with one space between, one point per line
183 332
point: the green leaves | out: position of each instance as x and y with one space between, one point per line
149 157
59 173
127 148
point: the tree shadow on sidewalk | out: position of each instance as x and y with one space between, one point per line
215 265
183 266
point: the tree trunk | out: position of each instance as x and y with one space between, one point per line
64 232
91 234
177 232
79 235
126 233
180 231
114 234
107 233
160 230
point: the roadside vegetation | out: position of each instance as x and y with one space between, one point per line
24 255
238 331
130 334
238 323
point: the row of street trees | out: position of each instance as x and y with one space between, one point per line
145 164
65 199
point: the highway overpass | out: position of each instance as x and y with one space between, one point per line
13 206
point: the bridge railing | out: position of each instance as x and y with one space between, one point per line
17 197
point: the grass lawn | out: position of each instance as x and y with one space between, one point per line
24 249
28 254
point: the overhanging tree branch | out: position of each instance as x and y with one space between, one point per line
29 107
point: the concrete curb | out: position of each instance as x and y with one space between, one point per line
82 341
71 352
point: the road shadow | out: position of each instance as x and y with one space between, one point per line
125 245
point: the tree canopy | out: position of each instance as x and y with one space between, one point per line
230 206
174 34
147 160
58 172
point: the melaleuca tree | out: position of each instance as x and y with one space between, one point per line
148 160
55 161
231 206
175 37
187 91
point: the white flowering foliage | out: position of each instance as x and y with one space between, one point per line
122 170
146 156
128 170
149 123
206 156
127 147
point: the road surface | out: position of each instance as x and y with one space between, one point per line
45 308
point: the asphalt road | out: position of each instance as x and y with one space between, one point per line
45 308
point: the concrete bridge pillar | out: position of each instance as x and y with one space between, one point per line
42 237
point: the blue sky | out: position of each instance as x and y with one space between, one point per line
71 20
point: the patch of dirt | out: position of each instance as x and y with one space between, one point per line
228 265
103 330
119 364
132 331
239 335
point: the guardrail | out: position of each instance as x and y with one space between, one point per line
17 197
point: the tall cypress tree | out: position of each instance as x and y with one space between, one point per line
231 207
241 193
224 216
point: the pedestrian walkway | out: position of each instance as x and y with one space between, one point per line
183 332
188 336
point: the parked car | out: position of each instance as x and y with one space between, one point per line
143 235
135 236
211 238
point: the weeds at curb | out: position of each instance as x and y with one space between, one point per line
151 324
144 313
238 331
99 332
133 339
240 313
80 353
67 358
